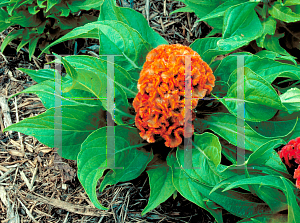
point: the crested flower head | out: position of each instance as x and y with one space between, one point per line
160 102
292 151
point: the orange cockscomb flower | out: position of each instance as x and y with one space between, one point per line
292 151
160 102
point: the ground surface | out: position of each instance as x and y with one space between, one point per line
36 185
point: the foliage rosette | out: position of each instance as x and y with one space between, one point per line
43 21
160 102
149 83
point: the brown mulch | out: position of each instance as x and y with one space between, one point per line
36 185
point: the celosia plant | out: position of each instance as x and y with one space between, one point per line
160 103
149 83
289 152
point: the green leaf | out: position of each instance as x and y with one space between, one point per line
25 19
161 187
10 37
90 74
278 218
242 27
210 48
51 3
225 125
116 38
181 182
221 9
109 11
46 92
206 156
4 24
92 159
272 43
240 204
291 2
32 46
40 75
293 207
276 182
77 122
40 3
275 56
76 6
262 154
269 27
270 69
291 100
33 9
274 128
283 13
260 98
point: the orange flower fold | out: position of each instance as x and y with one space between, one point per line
160 102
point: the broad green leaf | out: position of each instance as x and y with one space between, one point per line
109 11
116 38
76 6
92 159
293 207
131 169
291 2
283 13
274 128
210 48
291 100
278 183
261 101
33 9
25 19
181 182
32 46
274 198
213 32
225 125
4 24
46 92
161 186
272 43
269 69
220 10
206 156
262 154
201 9
89 74
51 3
77 122
10 37
228 65
40 75
276 218
239 204
241 27
269 27
41 3
275 56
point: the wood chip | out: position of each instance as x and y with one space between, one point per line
16 153
4 169
78 209
6 113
